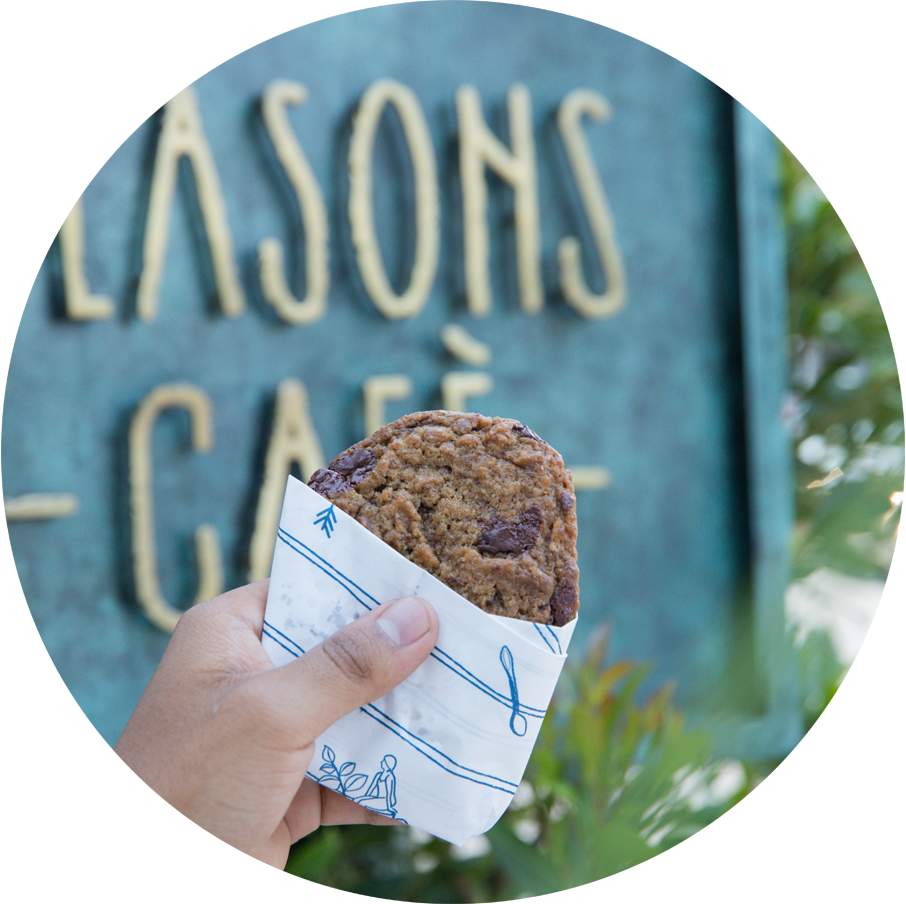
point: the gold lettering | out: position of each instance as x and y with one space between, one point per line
277 96
182 136
41 506
572 283
80 303
144 555
377 392
361 199
479 147
590 478
466 348
457 388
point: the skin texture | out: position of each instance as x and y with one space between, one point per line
226 738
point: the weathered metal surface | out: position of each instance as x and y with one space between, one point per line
655 394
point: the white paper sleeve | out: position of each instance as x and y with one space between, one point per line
446 749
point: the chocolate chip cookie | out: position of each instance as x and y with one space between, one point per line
483 504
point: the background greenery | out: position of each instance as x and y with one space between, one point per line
845 410
615 780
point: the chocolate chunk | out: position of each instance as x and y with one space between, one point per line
529 523
522 430
438 486
326 482
355 466
563 604
501 537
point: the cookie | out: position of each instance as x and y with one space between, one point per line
483 504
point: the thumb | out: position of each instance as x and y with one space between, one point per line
360 663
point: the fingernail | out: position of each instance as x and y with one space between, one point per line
404 621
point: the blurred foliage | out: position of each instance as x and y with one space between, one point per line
614 781
844 410
610 782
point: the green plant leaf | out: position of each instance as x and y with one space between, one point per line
312 858
619 847
527 869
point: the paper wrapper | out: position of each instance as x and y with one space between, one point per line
446 749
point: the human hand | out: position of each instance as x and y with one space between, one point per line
226 738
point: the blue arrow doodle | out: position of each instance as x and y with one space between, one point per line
327 519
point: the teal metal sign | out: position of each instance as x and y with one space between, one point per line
430 205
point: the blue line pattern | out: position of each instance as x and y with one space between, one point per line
369 602
282 639
436 756
307 553
270 631
475 681
451 766
547 634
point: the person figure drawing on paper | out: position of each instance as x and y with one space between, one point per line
382 790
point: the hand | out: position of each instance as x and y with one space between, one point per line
226 738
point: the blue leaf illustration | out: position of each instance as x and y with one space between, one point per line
346 768
328 754
355 782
